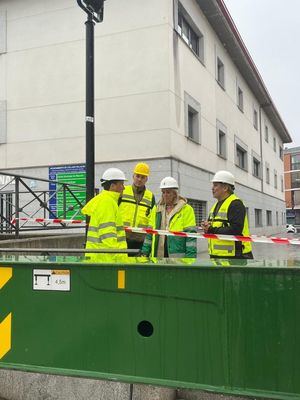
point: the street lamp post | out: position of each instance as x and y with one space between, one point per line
94 11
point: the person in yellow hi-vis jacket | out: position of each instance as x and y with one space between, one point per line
227 217
136 204
174 214
106 230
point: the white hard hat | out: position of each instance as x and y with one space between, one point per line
113 174
224 177
168 183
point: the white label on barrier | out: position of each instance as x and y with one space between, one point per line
51 279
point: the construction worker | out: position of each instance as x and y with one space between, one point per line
174 214
136 204
227 217
106 230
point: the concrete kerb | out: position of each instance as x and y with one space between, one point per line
71 241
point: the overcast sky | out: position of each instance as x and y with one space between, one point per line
271 31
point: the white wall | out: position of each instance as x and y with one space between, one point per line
142 70
198 79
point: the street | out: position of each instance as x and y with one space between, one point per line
272 251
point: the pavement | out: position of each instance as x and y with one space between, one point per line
263 251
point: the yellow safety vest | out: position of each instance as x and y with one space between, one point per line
106 230
226 248
133 213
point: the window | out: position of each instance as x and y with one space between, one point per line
255 119
221 140
267 173
282 184
200 210
3 128
241 155
192 123
269 217
281 152
192 118
295 180
275 179
240 99
266 134
256 167
220 73
295 161
190 34
258 217
274 144
277 218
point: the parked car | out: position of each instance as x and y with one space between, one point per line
291 228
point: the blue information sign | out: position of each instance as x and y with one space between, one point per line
70 174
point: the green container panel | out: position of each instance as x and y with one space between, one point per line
232 329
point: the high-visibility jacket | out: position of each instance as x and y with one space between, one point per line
183 247
133 213
106 230
226 248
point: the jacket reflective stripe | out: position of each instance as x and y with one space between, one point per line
224 247
101 226
130 197
121 239
93 239
190 244
106 225
100 238
135 214
127 196
143 226
182 247
107 235
221 215
93 229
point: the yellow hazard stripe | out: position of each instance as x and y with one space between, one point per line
5 275
121 279
5 335
5 325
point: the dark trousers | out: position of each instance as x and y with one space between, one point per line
134 244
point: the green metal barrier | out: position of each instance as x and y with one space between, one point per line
220 327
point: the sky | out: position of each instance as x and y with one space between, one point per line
271 31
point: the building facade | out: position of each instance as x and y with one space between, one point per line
174 86
292 184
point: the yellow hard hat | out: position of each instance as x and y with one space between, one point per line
142 169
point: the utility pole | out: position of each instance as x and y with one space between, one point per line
94 11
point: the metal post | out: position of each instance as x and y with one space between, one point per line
64 201
90 128
17 205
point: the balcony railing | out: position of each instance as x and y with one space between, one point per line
30 198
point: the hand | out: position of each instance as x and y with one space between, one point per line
205 225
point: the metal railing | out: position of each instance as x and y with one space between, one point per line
29 197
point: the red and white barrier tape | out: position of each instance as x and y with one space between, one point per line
49 221
236 238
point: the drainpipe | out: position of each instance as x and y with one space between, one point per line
261 151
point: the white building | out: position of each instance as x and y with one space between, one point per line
175 86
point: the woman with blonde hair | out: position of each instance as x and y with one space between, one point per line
174 214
